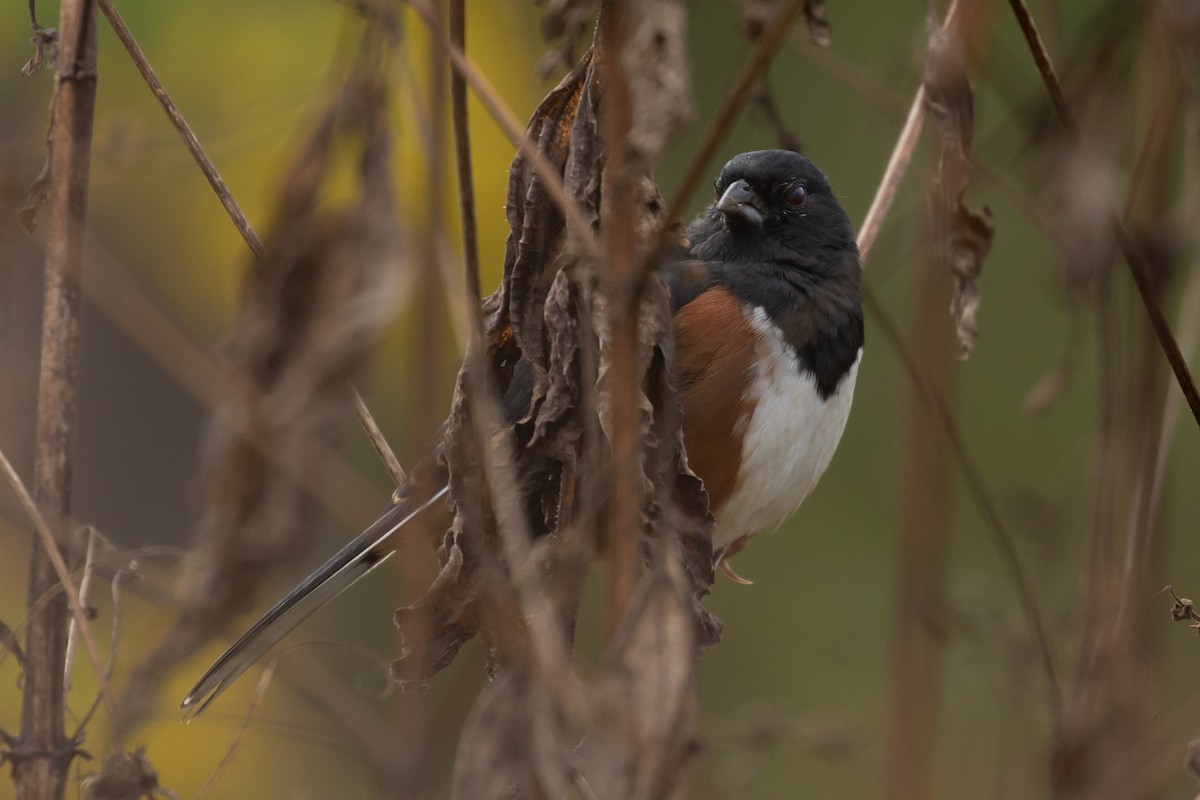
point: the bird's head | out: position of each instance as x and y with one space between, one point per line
774 205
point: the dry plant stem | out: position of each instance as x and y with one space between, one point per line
504 117
85 587
920 609
624 519
1042 57
973 478
378 441
1133 257
880 206
185 133
43 756
889 185
260 689
462 158
1189 327
114 639
548 645
63 582
898 164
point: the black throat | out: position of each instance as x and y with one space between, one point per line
818 313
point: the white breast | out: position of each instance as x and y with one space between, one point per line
788 440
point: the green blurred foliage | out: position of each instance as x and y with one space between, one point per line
795 698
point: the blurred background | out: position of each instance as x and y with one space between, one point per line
801 697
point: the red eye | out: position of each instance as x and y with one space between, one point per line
796 195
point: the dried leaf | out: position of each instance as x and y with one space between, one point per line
546 330
495 758
310 310
645 704
124 776
962 237
45 49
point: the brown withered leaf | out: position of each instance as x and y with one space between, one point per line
496 757
124 776
546 331
645 703
310 310
962 237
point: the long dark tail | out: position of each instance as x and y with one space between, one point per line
369 549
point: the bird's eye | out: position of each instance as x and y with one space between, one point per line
796 195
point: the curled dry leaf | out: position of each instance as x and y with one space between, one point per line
124 776
547 352
962 236
310 310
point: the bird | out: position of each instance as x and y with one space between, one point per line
768 325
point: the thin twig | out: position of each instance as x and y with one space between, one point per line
114 640
371 428
503 116
898 164
185 133
889 185
1125 241
462 154
624 514
1041 57
548 646
260 689
63 573
85 586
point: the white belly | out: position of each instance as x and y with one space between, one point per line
789 439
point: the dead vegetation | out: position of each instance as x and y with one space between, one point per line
593 476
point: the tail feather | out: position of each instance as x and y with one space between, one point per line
350 564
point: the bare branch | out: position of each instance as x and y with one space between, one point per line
185 133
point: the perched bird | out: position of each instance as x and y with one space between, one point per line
769 331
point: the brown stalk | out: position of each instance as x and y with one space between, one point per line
624 519
43 755
548 645
185 133
371 428
1135 259
462 155
508 122
920 609
935 401
898 164
972 476
70 591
